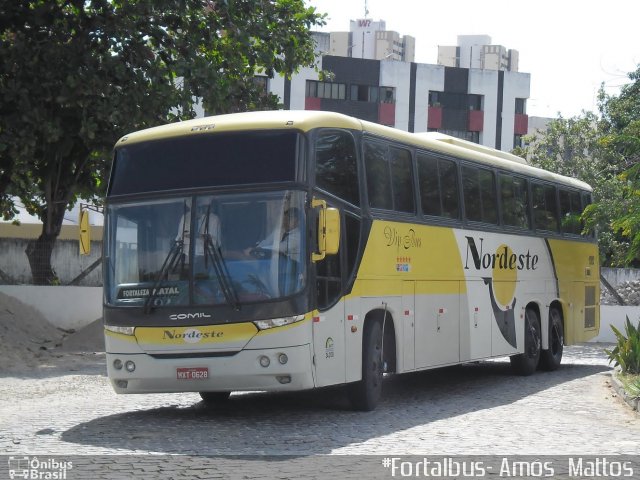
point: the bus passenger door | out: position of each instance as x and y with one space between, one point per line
437 323
476 322
408 326
328 324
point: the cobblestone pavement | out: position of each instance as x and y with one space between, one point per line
475 409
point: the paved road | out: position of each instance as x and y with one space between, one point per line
477 409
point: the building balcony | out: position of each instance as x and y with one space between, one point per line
476 121
521 124
434 117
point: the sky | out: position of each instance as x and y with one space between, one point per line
570 47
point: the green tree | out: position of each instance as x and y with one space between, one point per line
75 75
620 128
573 147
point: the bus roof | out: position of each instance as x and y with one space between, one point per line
306 120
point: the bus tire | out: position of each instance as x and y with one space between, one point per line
526 363
365 394
550 359
214 398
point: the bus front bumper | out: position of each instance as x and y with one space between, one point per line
242 371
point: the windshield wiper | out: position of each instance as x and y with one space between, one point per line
220 267
169 264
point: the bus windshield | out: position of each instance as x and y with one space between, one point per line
207 250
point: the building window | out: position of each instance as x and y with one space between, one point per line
518 141
387 95
455 101
262 83
334 91
367 93
521 106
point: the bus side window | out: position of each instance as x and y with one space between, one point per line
515 201
570 212
336 166
545 209
586 201
438 186
479 189
378 177
402 180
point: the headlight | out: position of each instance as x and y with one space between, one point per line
120 330
277 322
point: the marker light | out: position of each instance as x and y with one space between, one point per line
282 358
117 364
264 361
130 366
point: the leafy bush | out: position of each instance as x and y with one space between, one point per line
626 353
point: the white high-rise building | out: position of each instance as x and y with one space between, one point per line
476 51
371 40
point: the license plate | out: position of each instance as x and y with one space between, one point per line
192 373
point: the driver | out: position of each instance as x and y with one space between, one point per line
286 239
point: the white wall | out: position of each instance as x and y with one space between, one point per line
616 316
64 307
298 86
428 77
398 74
516 85
485 83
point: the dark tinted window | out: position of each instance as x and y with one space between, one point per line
515 201
336 167
205 160
570 212
402 180
545 208
389 177
378 176
479 189
438 186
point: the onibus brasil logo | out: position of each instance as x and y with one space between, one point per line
504 265
28 468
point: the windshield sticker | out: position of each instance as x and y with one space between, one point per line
143 292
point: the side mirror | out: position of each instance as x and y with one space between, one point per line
328 230
85 232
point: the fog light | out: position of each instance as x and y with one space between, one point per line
264 361
130 366
121 383
284 379
117 364
282 358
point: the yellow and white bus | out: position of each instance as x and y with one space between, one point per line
294 250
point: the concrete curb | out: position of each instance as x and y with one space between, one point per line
633 402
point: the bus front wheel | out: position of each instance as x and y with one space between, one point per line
365 394
526 363
550 359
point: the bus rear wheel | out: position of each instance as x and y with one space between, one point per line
365 394
214 398
550 359
526 363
